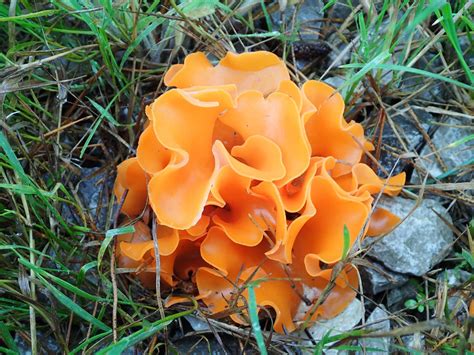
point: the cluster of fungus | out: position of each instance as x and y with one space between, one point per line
250 177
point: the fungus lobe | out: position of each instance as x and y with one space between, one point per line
250 178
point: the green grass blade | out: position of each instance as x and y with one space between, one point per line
19 189
329 4
12 158
90 341
423 12
139 39
450 28
77 291
364 37
257 331
104 112
144 333
461 141
358 348
81 275
99 120
71 305
402 68
94 128
7 338
8 351
365 68
109 235
319 349
347 242
268 19
30 15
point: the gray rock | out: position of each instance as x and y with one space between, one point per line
386 76
455 303
303 21
445 135
466 45
343 322
407 124
246 6
89 188
340 53
378 321
94 189
197 324
454 277
433 92
335 81
413 342
396 298
308 18
458 306
335 352
410 134
46 344
420 242
342 9
132 350
375 282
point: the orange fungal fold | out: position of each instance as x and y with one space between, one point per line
249 178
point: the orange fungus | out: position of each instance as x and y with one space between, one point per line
249 177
